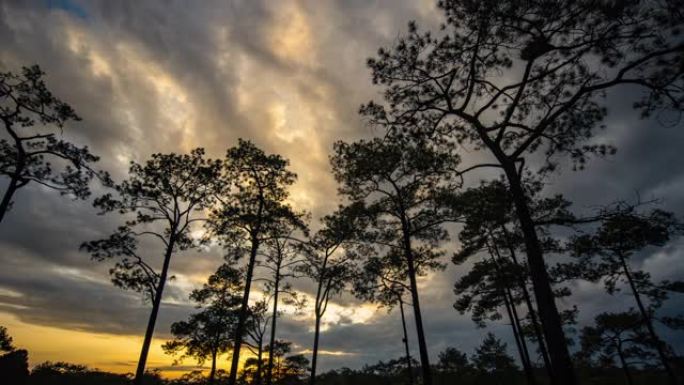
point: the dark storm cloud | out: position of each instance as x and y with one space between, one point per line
168 76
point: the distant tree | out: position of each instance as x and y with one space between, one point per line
605 256
620 336
295 369
63 373
279 350
400 182
5 340
390 370
518 78
491 356
251 206
382 282
281 259
14 365
453 361
161 200
255 331
30 154
330 265
208 333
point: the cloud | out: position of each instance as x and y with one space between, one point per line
169 76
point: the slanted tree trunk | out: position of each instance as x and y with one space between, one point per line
156 302
552 325
276 287
660 346
625 367
531 311
512 312
244 309
314 353
422 346
409 367
15 179
519 339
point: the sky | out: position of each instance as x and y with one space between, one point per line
170 76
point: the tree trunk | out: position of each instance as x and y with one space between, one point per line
406 344
7 198
314 353
530 309
649 325
140 371
523 343
212 373
244 309
422 346
552 325
14 180
625 368
276 285
260 354
519 339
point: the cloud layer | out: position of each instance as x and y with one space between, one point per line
171 76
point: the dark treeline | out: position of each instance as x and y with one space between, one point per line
409 204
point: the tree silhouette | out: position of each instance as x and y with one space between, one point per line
6 344
381 280
605 256
281 259
251 206
208 333
559 59
491 356
34 151
400 181
500 280
617 335
330 264
161 200
255 329
452 361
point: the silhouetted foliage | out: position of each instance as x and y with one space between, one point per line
329 262
161 199
252 205
559 59
604 256
618 337
399 182
34 150
208 333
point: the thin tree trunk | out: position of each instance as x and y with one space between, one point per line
16 175
140 371
552 325
512 313
649 325
314 353
269 369
519 341
516 318
405 340
212 373
625 368
244 307
422 346
530 309
260 354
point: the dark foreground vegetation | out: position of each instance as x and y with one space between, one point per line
524 84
